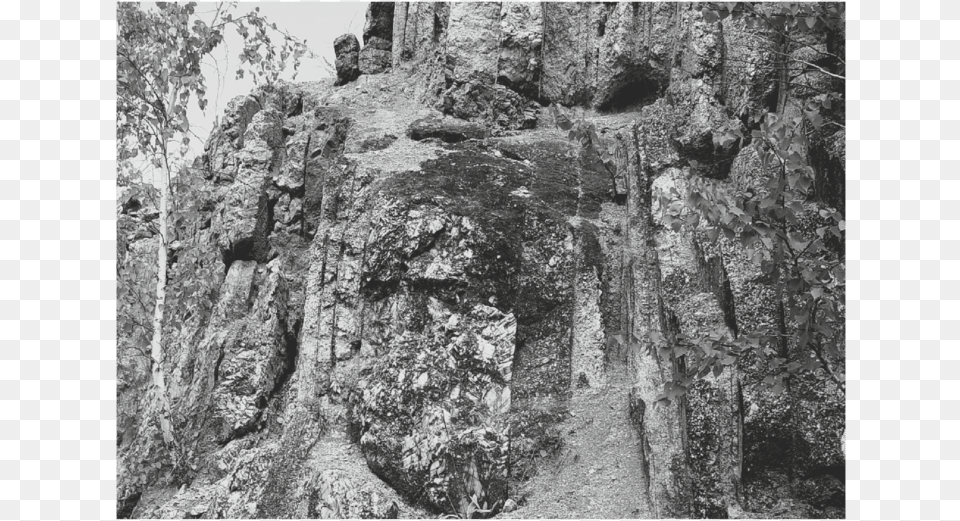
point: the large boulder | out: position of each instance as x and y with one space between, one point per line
347 50
377 53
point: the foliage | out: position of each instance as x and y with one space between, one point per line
787 16
159 70
772 223
585 132
446 404
159 60
197 268
794 241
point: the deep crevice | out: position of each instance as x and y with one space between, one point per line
291 353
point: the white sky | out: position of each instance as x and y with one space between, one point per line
319 23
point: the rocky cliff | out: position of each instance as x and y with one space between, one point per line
418 277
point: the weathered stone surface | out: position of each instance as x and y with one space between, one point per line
418 29
347 50
335 496
378 29
519 55
219 156
472 40
365 242
447 130
610 55
374 61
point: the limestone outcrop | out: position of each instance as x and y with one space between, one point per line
418 278
347 58
376 55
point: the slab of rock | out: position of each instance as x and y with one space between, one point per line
447 130
347 50
377 53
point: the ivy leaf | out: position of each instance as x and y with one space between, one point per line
777 387
816 120
713 234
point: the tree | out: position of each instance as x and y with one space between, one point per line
804 264
159 70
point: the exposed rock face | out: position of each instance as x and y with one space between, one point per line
377 55
374 61
378 29
610 55
348 58
519 55
418 30
415 291
448 130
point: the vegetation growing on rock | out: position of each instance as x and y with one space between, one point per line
406 294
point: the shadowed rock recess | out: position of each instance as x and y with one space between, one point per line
418 275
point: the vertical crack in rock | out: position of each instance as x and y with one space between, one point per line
714 278
303 218
361 273
638 410
661 421
335 296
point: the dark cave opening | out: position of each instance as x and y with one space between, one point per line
632 95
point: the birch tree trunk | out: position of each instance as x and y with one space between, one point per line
156 343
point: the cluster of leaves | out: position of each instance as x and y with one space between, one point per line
266 65
789 20
791 16
790 239
446 400
585 132
159 59
197 271
160 51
